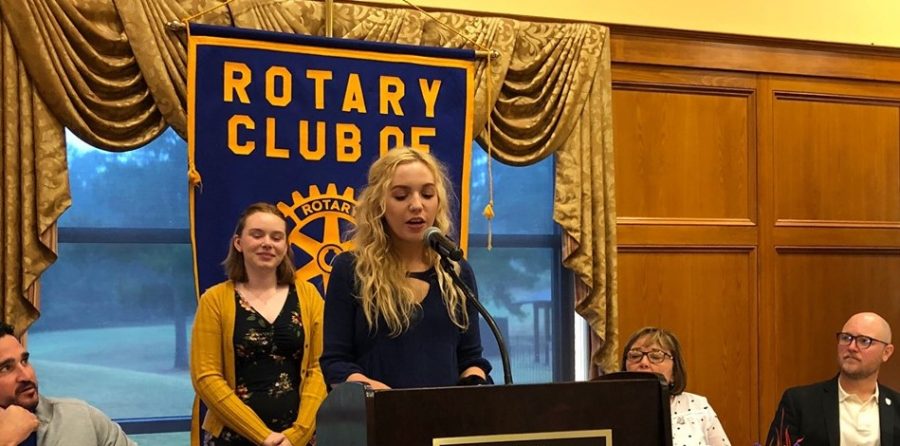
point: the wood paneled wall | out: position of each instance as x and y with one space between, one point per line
758 195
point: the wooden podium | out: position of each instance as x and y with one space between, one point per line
629 411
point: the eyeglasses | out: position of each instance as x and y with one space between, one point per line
655 356
863 342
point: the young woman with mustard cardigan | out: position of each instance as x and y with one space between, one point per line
256 343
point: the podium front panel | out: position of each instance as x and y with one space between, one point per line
599 413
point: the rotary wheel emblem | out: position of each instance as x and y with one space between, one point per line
318 223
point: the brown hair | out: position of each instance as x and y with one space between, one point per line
6 329
234 261
666 340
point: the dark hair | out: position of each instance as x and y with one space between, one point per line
6 329
234 262
667 340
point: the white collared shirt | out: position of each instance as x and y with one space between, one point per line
860 423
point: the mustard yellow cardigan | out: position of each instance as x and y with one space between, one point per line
213 369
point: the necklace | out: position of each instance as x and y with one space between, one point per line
261 297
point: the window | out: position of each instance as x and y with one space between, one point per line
520 281
116 307
118 304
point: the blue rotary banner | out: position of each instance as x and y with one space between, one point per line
296 121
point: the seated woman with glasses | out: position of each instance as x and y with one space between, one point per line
694 422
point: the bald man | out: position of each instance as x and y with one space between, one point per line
851 409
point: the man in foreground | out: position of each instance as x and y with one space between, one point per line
58 421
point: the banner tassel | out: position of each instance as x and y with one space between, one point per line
193 176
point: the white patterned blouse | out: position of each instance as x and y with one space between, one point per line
694 422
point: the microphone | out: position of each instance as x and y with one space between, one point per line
443 245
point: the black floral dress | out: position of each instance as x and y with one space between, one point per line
267 361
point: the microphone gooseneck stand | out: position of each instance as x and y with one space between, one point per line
470 296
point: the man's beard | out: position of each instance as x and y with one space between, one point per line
859 373
25 387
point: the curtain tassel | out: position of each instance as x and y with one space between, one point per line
488 213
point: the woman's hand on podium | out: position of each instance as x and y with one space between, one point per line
360 378
471 380
472 376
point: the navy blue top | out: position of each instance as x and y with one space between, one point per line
431 353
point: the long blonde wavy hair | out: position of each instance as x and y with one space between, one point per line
384 290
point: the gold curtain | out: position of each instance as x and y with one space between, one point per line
81 63
114 75
35 189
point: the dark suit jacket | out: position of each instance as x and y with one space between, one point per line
811 412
